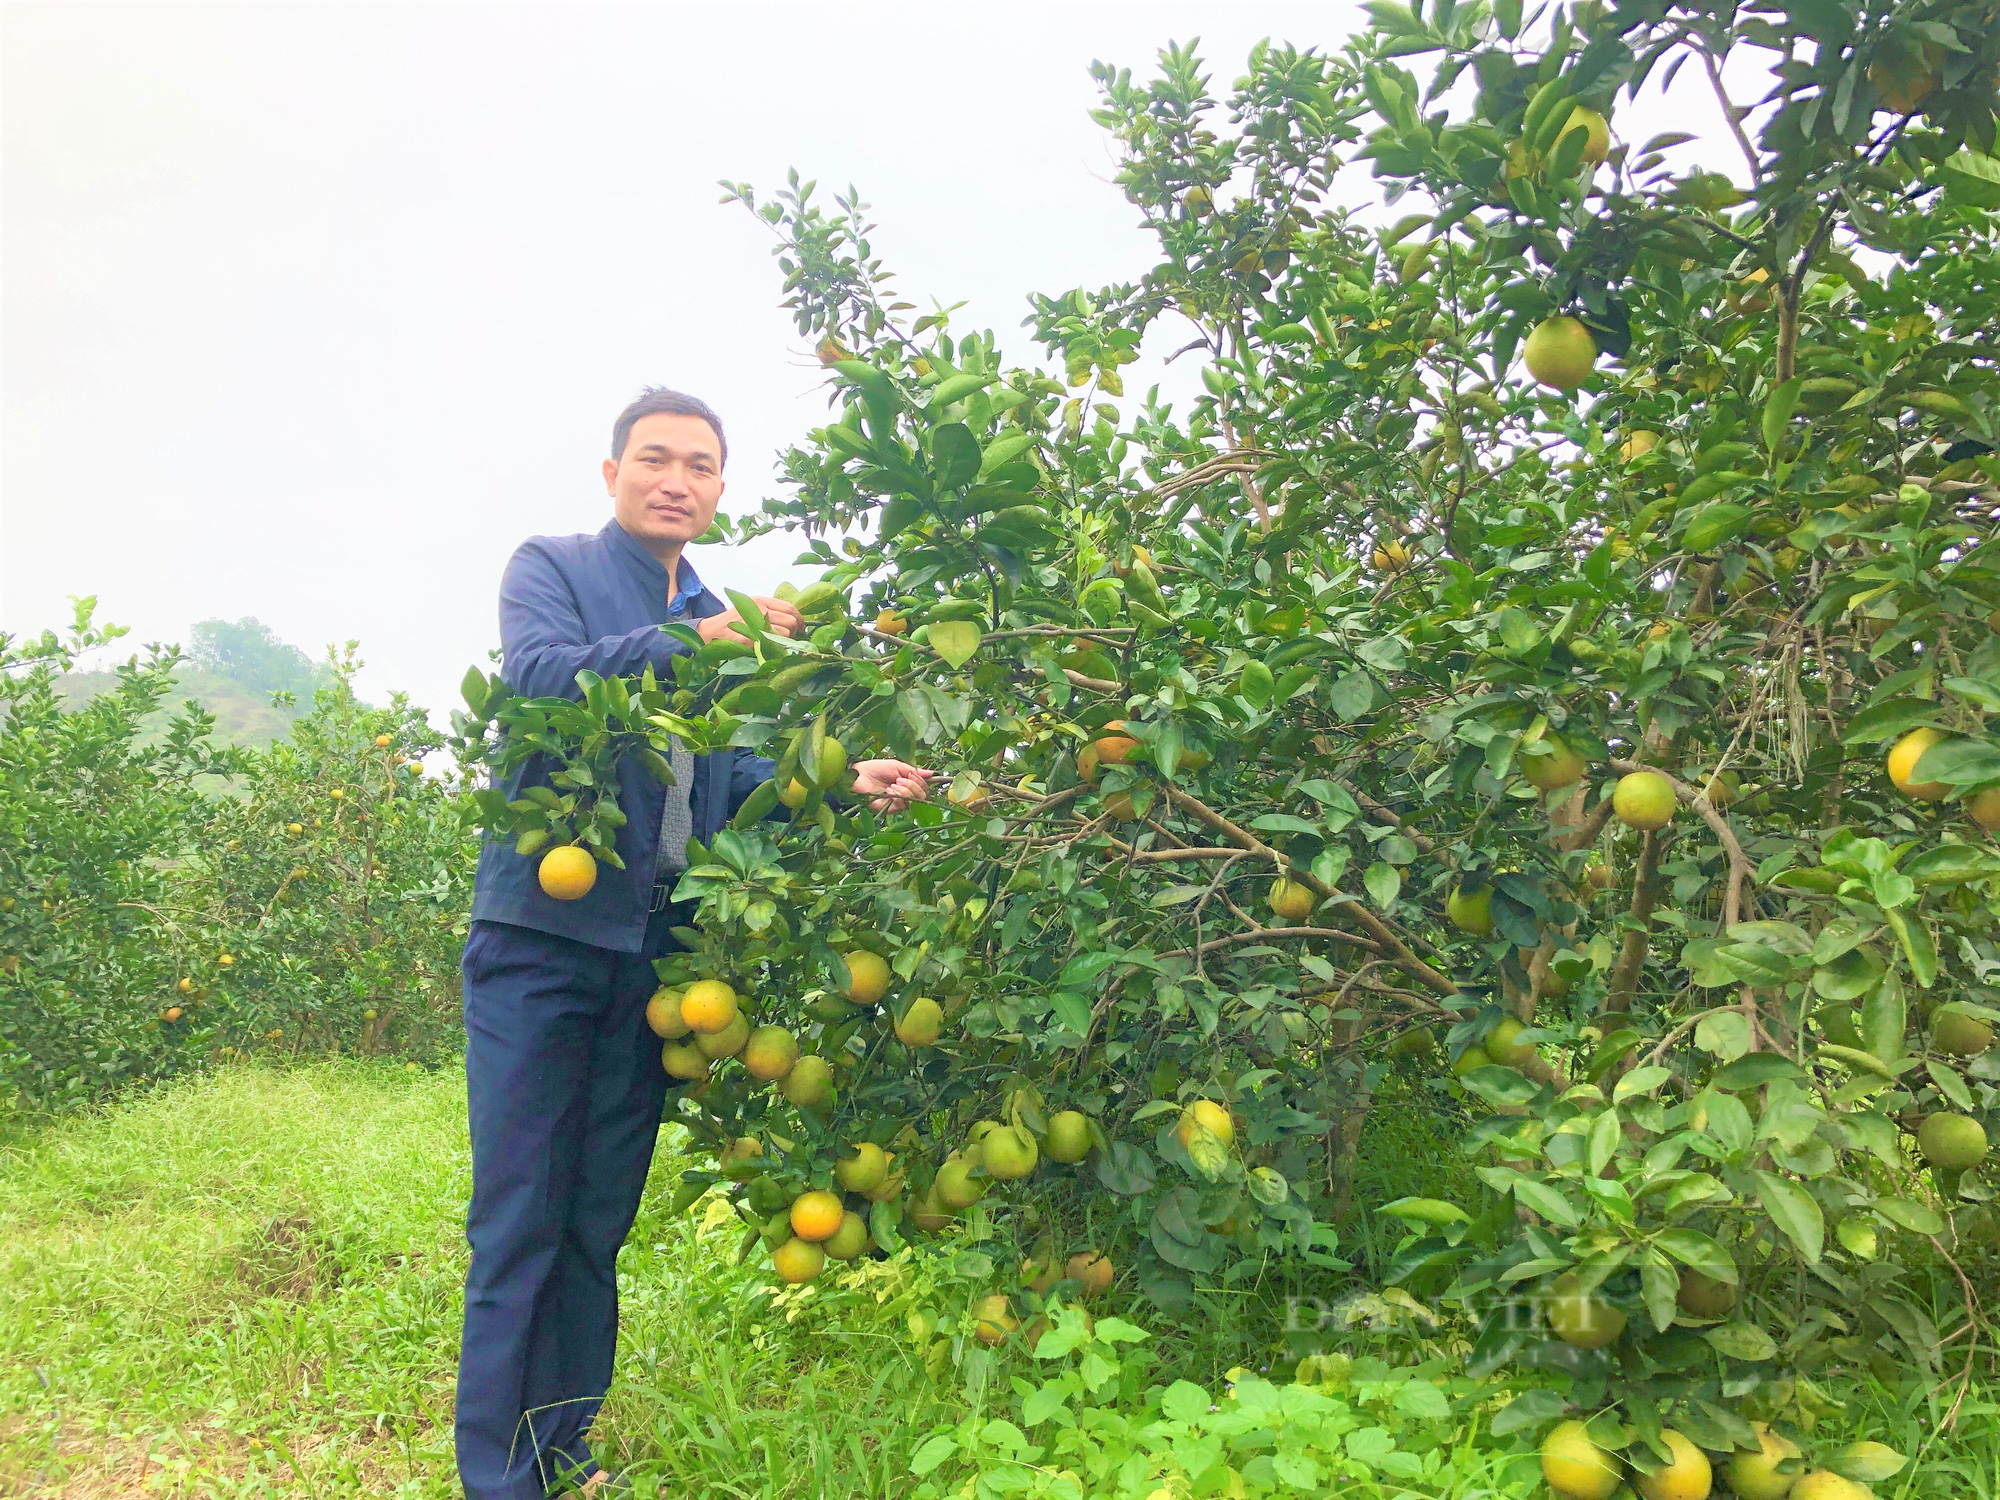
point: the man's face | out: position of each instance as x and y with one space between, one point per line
666 486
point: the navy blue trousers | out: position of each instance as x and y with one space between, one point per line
565 1093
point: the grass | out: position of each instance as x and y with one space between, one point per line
247 1284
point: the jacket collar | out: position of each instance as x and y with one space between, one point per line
687 582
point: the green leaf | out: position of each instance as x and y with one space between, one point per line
1693 1248
1914 1217
1962 760
1745 1341
1795 1212
1539 1197
1778 409
1857 1236
1384 882
1530 1409
1889 720
1724 1035
1715 524
932 1452
1972 178
1640 1081
1433 1211
955 640
955 455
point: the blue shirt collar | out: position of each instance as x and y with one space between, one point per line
688 586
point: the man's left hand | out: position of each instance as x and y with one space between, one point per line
891 785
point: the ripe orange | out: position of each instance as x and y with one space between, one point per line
716 1045
1092 1269
1560 353
809 1083
187 986
1207 1113
1390 557
1291 899
708 1006
1983 807
383 742
798 1260
1903 760
920 1023
1112 746
848 1241
955 1186
225 959
681 1060
1576 1467
993 1319
816 1214
663 1014
867 977
770 1053
890 622
173 1013
1638 444
1755 1476
567 873
1688 1477
862 1171
1086 764
295 829
1644 800
1597 133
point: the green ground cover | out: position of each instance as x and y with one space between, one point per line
247 1284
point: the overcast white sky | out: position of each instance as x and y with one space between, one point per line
313 312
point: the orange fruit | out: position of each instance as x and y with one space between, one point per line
770 1053
663 1014
919 1025
1983 807
682 1060
1644 800
1092 1269
993 1319
716 1045
1688 1477
173 1013
1597 133
1206 1112
798 1260
1390 557
1576 1467
567 873
809 1083
862 1171
867 977
1903 760
383 742
1291 899
890 622
1112 747
1560 353
848 1241
708 1006
816 1214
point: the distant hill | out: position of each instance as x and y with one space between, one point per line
241 717
231 670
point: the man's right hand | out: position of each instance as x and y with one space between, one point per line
784 619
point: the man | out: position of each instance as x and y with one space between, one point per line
563 1078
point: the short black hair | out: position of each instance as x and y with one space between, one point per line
655 399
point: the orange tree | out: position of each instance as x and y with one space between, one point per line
165 901
1476 700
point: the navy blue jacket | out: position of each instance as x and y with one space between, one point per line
571 604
